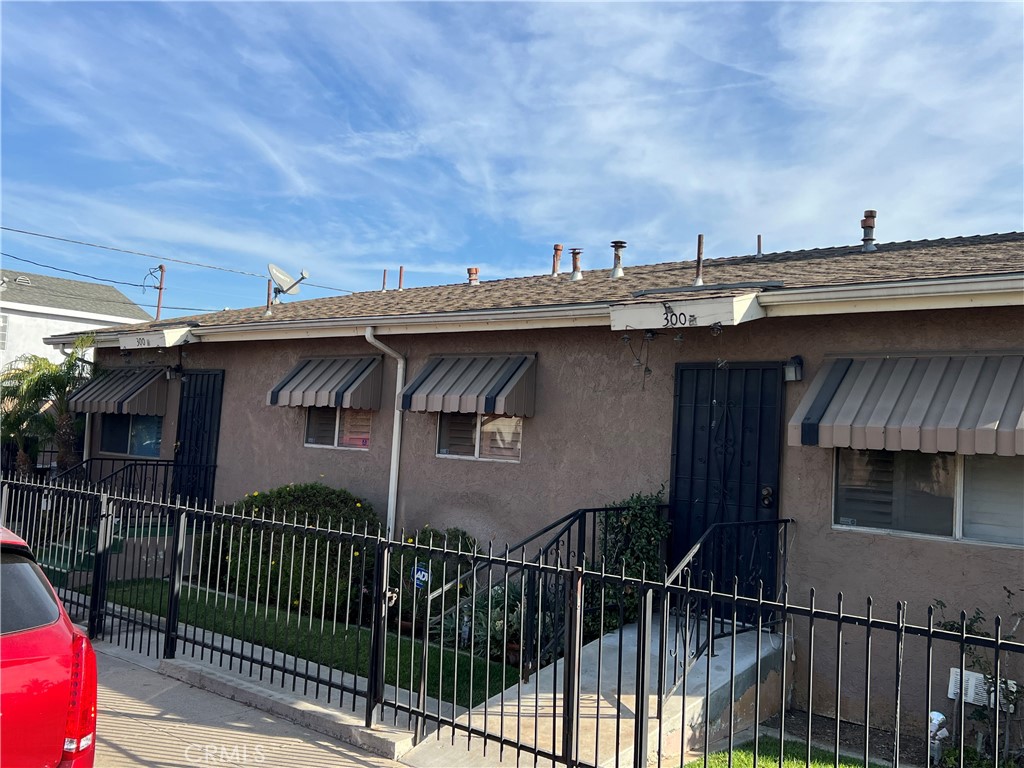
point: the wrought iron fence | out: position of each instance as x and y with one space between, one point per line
366 623
144 478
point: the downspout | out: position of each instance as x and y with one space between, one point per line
396 432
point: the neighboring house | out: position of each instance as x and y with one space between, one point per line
33 307
875 396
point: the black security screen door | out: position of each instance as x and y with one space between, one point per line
727 440
195 454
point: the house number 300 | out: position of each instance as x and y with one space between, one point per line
675 319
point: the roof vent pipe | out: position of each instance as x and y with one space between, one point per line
577 272
384 282
868 223
556 259
760 253
699 280
618 245
474 275
401 277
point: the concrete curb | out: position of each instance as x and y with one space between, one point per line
383 740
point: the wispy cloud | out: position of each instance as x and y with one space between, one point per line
359 136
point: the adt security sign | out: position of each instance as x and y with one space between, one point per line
420 575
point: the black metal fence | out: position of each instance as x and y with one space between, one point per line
146 478
422 634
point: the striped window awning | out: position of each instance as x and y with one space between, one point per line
136 391
489 384
348 382
956 404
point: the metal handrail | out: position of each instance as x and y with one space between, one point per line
713 530
695 641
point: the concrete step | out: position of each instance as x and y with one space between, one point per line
531 713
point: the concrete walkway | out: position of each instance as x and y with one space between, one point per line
147 719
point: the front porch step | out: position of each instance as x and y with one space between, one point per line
531 712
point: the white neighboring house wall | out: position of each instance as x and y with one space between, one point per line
26 326
34 307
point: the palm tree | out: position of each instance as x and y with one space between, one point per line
36 401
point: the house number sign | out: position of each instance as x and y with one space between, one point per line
141 341
675 319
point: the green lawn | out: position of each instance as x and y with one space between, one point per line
348 649
768 755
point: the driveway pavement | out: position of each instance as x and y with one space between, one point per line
146 719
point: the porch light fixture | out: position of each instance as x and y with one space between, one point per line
793 370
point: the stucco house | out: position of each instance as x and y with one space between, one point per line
873 393
33 307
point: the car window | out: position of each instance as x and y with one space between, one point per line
26 600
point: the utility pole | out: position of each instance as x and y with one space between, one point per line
160 291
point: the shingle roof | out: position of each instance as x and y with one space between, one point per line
58 293
844 265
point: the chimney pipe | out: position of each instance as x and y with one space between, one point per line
384 282
577 272
618 245
556 259
868 223
760 253
474 275
401 277
699 280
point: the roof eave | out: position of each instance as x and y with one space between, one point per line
516 318
998 290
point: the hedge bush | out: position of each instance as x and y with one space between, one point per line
302 571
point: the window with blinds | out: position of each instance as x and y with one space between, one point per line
338 427
474 436
977 498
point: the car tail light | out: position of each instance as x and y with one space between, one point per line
80 730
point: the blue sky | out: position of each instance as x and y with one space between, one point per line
351 138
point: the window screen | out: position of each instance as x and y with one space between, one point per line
131 435
994 498
456 435
320 425
904 490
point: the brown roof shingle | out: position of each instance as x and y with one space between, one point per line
843 265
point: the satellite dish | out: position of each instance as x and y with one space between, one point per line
283 282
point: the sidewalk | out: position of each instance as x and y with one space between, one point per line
147 719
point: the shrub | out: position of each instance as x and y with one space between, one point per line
301 570
633 536
320 504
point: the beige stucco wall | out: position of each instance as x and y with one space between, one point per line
602 432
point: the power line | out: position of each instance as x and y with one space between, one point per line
116 301
72 272
160 258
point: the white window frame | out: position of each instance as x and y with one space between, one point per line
4 325
958 512
337 428
476 441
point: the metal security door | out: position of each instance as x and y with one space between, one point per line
727 439
195 453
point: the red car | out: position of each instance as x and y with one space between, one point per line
47 670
